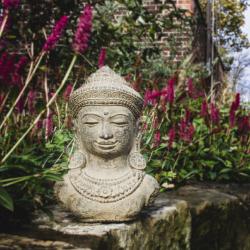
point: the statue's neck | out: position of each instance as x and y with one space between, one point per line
106 168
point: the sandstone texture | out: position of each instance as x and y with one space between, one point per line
197 217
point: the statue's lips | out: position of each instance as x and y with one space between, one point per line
105 145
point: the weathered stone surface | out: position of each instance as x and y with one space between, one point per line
193 217
106 181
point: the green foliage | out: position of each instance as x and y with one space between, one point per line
28 175
229 19
214 151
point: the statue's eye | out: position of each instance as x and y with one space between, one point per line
90 123
120 123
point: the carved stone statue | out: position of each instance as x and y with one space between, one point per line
106 181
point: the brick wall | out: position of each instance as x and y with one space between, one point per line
185 39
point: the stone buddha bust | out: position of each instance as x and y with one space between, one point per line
106 181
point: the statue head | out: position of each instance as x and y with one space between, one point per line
106 112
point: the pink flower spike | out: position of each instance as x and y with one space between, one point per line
55 34
102 57
157 138
9 4
186 131
171 136
82 35
244 125
20 105
170 90
67 92
191 90
204 109
215 115
187 116
48 124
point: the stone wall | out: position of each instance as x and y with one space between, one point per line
197 217
190 37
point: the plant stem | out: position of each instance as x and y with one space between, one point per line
28 80
3 24
42 112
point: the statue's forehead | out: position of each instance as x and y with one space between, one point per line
105 110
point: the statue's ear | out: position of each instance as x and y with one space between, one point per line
136 159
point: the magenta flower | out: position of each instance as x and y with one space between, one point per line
48 124
39 124
170 90
31 101
20 105
244 125
235 105
146 97
7 63
171 136
67 92
187 116
9 4
16 76
204 109
102 57
191 89
82 35
150 97
186 130
55 34
215 114
157 138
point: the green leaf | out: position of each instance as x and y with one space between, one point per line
6 200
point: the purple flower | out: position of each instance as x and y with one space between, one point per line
187 116
7 68
157 138
170 90
20 105
102 57
171 136
204 109
9 4
31 101
191 89
67 92
244 125
215 114
147 97
82 35
186 130
235 105
55 34
48 124
18 67
39 124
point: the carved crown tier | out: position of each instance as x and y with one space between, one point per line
105 87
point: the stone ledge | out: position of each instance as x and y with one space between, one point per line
197 217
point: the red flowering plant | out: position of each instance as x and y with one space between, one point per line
47 49
196 138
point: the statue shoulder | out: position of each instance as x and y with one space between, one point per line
152 187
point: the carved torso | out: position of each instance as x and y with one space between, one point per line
119 199
106 179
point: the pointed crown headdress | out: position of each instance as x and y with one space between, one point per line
105 87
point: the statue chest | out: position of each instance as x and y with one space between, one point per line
93 199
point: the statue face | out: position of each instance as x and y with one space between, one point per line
106 131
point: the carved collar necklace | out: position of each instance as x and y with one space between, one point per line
107 190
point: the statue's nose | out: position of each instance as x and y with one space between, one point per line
106 132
